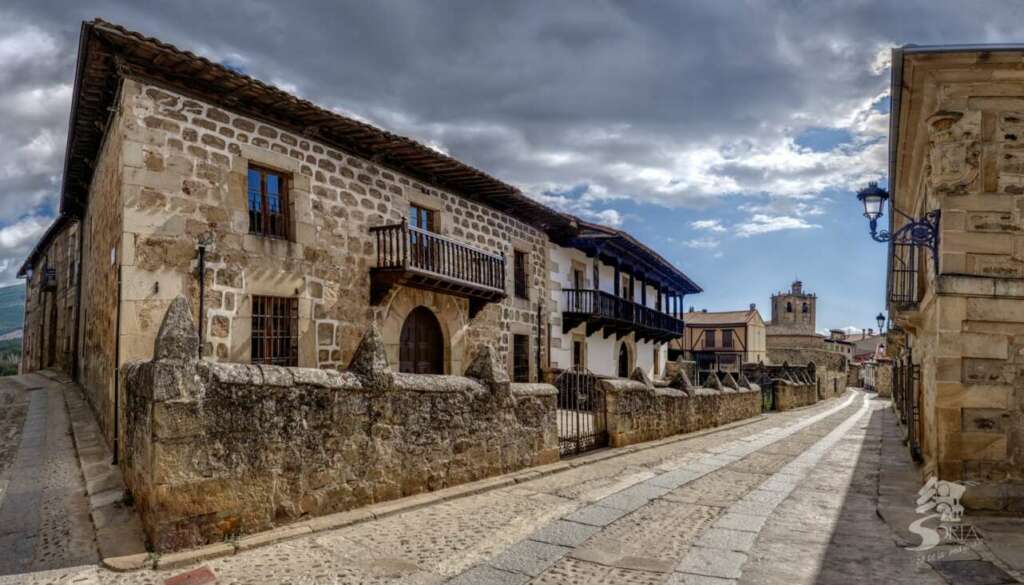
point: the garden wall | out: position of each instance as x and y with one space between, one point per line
215 450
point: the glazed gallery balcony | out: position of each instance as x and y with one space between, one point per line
616 316
413 257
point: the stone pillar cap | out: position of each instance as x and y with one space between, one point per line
178 338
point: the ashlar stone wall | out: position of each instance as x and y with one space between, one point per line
216 450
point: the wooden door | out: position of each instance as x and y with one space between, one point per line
421 348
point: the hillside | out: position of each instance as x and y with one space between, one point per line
12 308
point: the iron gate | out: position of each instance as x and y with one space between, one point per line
582 418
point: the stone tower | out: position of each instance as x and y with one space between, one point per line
794 312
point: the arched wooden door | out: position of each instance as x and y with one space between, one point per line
623 361
421 348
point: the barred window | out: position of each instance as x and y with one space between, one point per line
727 338
520 275
520 358
709 338
268 203
275 324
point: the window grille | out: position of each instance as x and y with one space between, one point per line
275 323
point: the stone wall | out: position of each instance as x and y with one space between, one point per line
959 152
215 450
48 340
637 411
103 251
790 395
883 379
185 174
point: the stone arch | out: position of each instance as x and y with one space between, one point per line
451 313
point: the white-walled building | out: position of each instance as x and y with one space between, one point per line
615 303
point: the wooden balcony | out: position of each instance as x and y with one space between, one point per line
616 316
409 256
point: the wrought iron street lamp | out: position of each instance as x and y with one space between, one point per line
922 232
881 322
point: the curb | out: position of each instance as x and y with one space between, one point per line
407 504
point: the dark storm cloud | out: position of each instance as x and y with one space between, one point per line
677 103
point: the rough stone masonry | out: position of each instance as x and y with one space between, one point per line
215 450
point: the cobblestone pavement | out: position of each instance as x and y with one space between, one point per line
44 514
790 498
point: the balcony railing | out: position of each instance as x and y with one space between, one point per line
904 275
601 310
410 256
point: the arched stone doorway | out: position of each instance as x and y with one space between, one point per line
623 369
421 345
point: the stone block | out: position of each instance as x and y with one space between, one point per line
985 420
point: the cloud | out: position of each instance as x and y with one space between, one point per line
763 224
16 241
711 225
702 243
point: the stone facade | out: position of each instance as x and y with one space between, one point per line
960 117
51 301
174 169
215 450
794 312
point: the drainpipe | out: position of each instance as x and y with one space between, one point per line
205 240
540 336
117 370
78 305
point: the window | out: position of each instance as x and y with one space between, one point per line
520 275
804 310
727 338
275 323
709 338
520 358
577 354
577 278
789 307
625 291
423 218
268 203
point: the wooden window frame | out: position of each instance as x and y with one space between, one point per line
709 338
273 342
431 215
266 227
520 363
727 338
520 274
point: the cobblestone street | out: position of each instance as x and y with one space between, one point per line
788 498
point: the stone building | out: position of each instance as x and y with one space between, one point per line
957 127
794 315
51 315
724 340
291 228
837 342
615 304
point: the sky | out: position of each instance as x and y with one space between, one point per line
728 135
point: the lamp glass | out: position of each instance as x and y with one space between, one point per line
881 322
873 206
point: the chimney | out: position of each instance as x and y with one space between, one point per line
703 310
871 332
753 306
691 308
